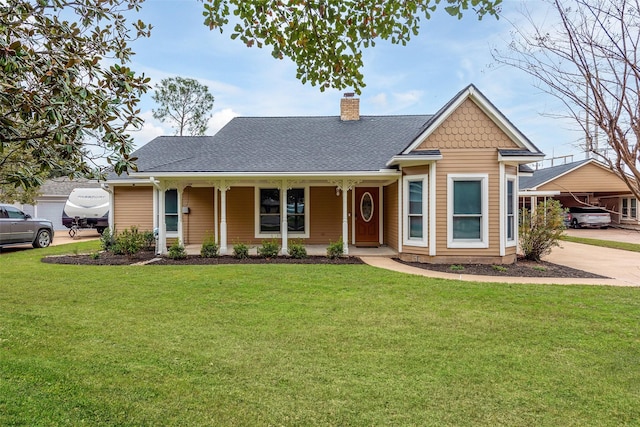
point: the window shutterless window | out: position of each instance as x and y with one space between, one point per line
415 210
467 207
629 208
171 209
511 210
269 215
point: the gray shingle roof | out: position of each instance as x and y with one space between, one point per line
63 186
285 144
541 176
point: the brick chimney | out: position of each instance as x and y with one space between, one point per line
349 107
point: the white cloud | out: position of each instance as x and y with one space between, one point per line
219 119
150 130
379 100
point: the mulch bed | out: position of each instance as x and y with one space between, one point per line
522 268
108 258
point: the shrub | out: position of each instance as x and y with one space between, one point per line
297 250
541 229
95 255
176 251
148 240
210 248
335 249
240 251
107 239
269 249
128 242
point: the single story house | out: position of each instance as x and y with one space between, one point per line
439 188
586 182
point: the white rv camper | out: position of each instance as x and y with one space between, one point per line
86 208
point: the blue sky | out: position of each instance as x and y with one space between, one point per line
419 78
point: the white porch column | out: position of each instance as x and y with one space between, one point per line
223 219
345 218
284 226
216 231
179 190
162 223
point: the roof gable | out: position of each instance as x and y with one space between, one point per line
579 176
469 105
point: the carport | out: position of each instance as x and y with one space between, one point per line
586 182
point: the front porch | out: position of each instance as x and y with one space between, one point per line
316 250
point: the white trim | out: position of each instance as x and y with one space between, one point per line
520 159
399 224
373 202
502 208
353 215
483 103
283 213
380 215
223 220
381 173
432 210
412 160
483 243
407 240
216 230
345 218
514 242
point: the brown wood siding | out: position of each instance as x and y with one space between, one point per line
468 127
199 223
391 216
468 161
240 213
587 179
133 206
325 216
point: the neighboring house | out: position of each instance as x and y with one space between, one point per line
586 182
53 195
436 188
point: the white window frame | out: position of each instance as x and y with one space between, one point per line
290 234
413 241
483 242
628 216
513 241
172 233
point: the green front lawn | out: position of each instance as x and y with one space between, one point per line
634 247
308 345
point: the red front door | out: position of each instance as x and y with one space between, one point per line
367 213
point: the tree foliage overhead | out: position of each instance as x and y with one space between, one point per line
63 82
585 53
185 103
325 38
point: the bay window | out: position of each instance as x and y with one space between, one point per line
467 210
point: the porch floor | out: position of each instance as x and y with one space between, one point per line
315 250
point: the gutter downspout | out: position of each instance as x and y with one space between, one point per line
110 219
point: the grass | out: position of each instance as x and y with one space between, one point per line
308 345
634 247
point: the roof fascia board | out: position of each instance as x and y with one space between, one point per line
212 175
407 160
535 193
520 159
483 103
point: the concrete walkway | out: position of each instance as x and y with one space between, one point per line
623 267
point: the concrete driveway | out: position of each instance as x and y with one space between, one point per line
624 266
62 237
